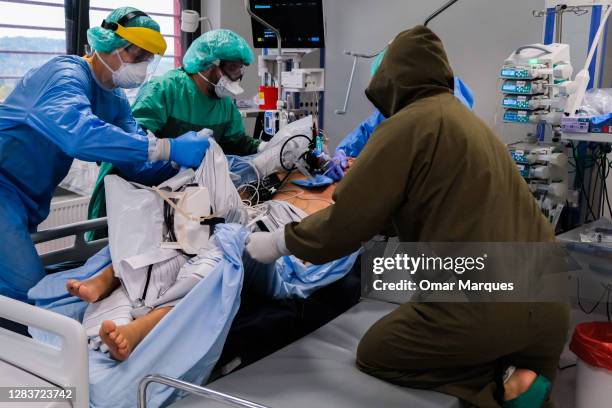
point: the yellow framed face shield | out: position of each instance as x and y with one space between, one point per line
145 38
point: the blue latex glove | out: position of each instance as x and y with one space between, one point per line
336 166
189 149
317 181
335 172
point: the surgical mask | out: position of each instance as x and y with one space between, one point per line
129 75
225 86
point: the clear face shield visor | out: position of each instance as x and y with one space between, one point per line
137 67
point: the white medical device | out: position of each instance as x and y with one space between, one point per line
545 169
533 83
191 209
190 21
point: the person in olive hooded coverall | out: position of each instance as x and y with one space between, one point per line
436 173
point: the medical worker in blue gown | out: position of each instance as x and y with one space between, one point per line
73 107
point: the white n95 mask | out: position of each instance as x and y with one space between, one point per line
131 75
225 86
128 75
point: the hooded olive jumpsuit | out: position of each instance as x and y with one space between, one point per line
437 173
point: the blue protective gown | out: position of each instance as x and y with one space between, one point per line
354 142
56 113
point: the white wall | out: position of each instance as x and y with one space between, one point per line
478 35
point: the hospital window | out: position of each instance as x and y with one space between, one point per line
29 43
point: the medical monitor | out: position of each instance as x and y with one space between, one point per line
300 23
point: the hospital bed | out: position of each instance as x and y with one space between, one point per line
317 370
27 363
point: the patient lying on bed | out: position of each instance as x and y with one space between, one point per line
122 339
116 321
128 299
121 323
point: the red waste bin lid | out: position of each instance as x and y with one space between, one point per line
592 343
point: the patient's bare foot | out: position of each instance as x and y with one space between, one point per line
95 288
121 340
88 291
518 383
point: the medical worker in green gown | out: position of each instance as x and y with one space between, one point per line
195 96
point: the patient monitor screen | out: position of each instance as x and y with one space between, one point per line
299 22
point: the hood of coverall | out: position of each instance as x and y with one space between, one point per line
414 67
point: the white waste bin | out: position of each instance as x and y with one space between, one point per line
593 386
592 343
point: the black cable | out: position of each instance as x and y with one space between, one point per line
606 186
283 148
606 291
439 11
590 192
602 187
169 221
596 200
146 287
566 367
601 178
595 186
285 179
580 175
605 173
600 181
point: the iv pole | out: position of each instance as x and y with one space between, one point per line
356 56
280 103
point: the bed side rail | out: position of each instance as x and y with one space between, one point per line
81 250
66 366
191 389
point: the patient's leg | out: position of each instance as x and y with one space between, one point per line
95 288
122 340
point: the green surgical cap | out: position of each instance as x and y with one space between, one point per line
376 63
105 40
216 45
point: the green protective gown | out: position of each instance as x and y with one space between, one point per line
171 105
434 172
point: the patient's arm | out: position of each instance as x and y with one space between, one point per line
95 288
122 340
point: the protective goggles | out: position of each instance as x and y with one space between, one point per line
234 70
145 38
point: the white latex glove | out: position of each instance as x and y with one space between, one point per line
267 247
